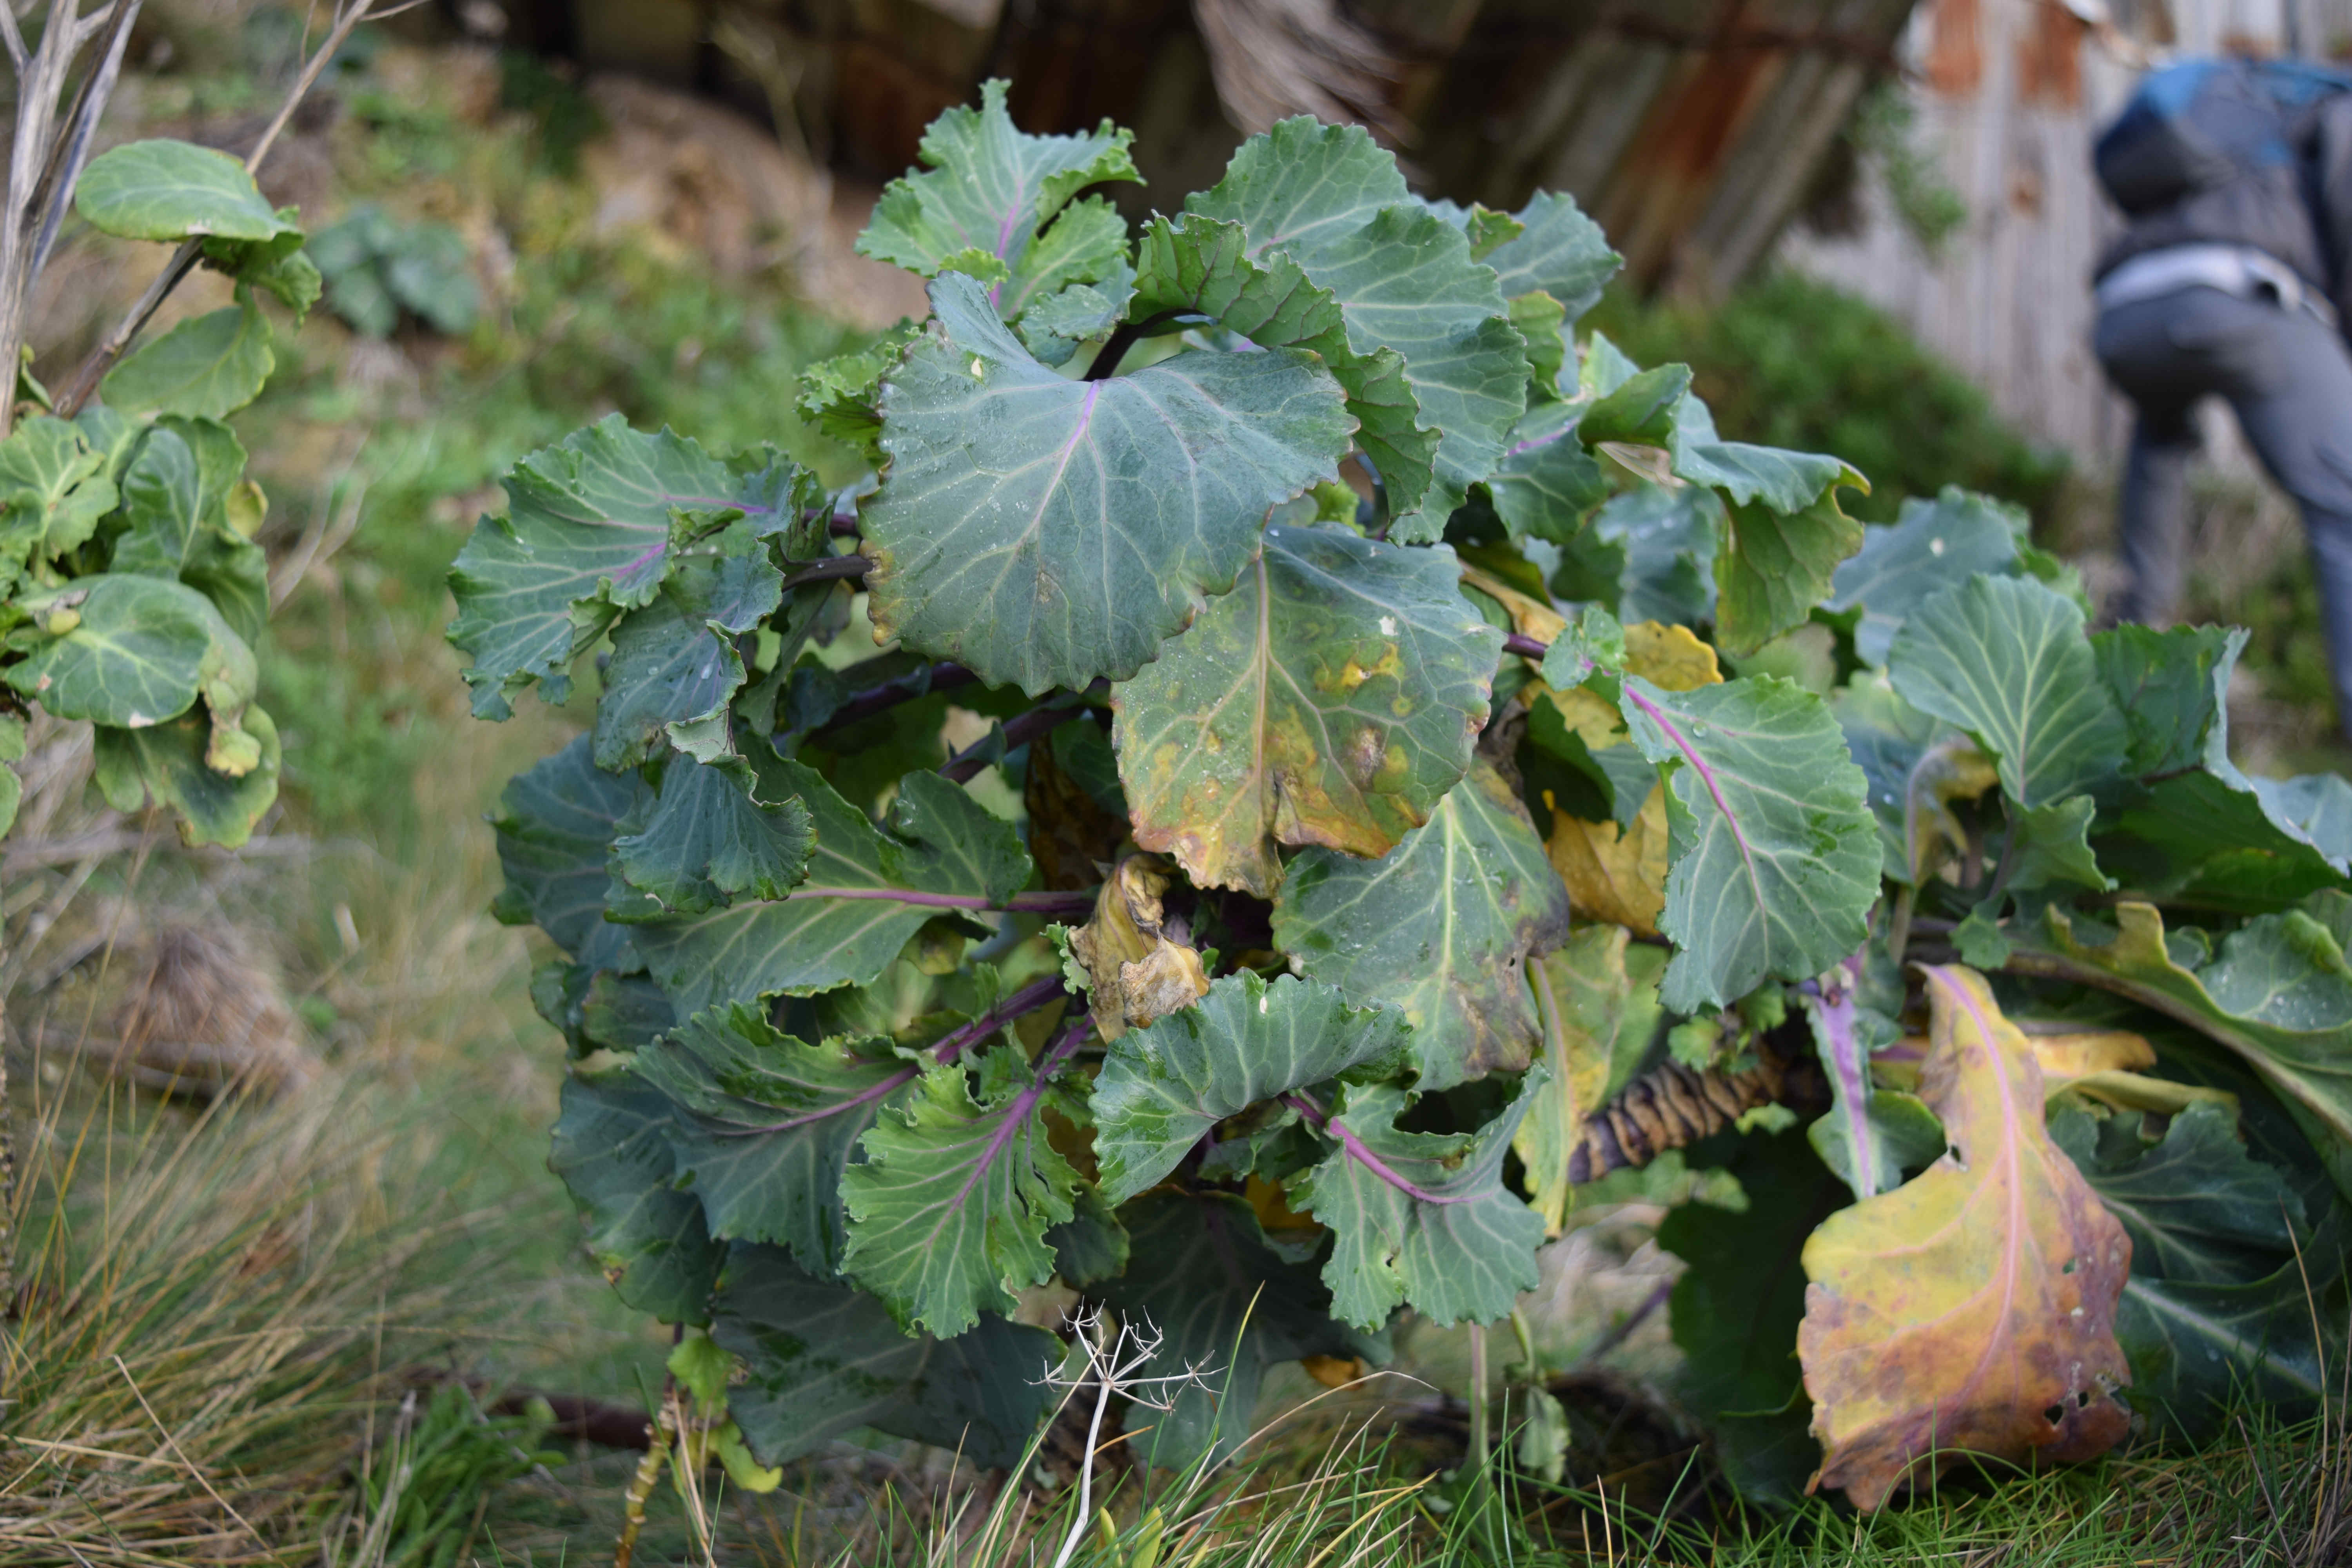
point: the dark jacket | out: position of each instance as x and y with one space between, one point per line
2302 215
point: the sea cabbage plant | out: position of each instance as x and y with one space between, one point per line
1291 767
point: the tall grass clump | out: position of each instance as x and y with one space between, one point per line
205 1307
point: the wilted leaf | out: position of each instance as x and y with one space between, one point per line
1225 1304
1870 1135
1597 998
1439 928
1162 1087
948 1211
166 762
2278 993
2006 660
1330 699
1104 512
1775 855
1972 1310
1421 1220
1137 973
820 1364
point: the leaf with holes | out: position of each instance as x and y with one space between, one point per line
1330 699
1971 1310
2218 1305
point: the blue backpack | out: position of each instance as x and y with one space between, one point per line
2199 125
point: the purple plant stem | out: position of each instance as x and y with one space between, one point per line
1835 1007
1019 731
1016 1110
1657 715
1355 1147
1021 904
830 567
1525 647
941 676
1028 999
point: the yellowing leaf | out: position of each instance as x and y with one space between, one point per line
1971 1309
2063 1057
1138 974
1614 874
1619 874
1530 615
1670 658
1598 1000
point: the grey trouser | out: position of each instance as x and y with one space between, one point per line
2289 378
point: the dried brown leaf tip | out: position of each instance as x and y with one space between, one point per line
1142 966
1972 1310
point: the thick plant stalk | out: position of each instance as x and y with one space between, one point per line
664 1436
1673 1106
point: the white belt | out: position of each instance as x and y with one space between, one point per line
2238 269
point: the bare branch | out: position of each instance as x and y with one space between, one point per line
55 192
15 36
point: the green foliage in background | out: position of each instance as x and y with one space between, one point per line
1798 363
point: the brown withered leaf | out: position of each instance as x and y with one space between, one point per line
1139 974
1330 699
1971 1310
1072 835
